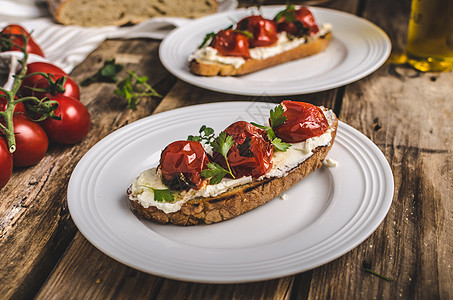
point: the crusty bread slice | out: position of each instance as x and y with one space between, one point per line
237 200
251 65
119 12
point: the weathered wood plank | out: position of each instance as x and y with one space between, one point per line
35 224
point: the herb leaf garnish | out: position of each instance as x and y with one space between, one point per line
206 135
221 144
162 195
276 119
215 172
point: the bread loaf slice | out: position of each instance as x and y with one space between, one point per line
119 12
251 65
238 200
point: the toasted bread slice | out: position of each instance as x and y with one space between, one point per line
238 200
251 65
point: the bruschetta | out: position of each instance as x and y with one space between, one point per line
256 43
207 179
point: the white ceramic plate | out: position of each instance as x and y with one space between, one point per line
357 49
325 215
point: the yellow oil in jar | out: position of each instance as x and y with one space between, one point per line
430 35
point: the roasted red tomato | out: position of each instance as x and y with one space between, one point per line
74 124
31 142
231 43
251 153
264 31
19 108
11 39
181 163
298 22
6 163
304 120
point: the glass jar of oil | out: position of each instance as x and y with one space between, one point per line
430 35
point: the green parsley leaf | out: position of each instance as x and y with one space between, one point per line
208 37
276 116
107 73
206 135
133 87
222 144
215 172
164 195
279 145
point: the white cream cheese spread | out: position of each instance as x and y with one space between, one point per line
283 162
208 54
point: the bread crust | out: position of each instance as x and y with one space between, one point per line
251 65
120 12
237 200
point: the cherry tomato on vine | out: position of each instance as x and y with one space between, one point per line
74 124
181 163
12 32
31 142
71 89
251 153
302 22
304 120
6 163
231 43
264 31
36 67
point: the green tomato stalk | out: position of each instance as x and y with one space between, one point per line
47 107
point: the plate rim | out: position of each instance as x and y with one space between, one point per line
202 279
198 81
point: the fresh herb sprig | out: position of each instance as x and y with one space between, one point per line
206 135
133 87
222 144
162 195
107 73
276 119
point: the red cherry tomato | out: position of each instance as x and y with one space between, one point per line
39 81
6 163
13 33
304 120
74 124
231 43
31 142
181 163
251 153
19 108
264 31
71 89
304 22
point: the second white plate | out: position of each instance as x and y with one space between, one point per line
357 49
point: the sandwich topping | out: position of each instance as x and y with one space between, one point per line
255 37
243 152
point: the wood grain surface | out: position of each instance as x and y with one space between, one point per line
407 114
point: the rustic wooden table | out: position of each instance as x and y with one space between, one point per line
407 114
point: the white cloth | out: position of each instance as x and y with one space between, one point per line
67 46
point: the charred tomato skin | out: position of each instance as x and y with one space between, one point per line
231 43
264 31
304 22
251 153
181 164
303 121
